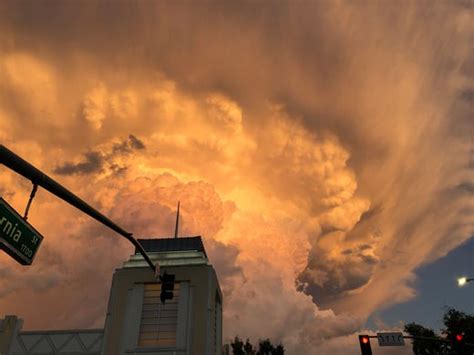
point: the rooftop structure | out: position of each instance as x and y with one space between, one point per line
170 252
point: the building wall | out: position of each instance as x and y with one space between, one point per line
199 315
13 341
9 328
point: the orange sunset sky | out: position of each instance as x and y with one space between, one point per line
317 147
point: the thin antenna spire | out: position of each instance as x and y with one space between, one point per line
177 223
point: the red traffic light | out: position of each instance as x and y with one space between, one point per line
458 345
364 342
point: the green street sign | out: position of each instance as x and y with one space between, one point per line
17 237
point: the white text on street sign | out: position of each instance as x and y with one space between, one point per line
390 339
17 237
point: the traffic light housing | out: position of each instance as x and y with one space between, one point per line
364 342
167 287
459 344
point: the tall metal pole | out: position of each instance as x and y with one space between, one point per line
177 223
25 169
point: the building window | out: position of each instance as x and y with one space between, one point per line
158 322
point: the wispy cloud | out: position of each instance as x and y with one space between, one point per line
94 161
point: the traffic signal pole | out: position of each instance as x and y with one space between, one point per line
25 169
365 347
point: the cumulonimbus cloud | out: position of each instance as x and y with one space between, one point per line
313 146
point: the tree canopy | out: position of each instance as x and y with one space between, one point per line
265 347
456 323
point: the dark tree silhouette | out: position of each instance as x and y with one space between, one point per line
455 322
237 346
265 347
424 347
248 348
279 350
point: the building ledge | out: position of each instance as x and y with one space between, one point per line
169 258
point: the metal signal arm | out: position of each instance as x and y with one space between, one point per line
25 169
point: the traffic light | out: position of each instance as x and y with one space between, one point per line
167 287
458 344
364 342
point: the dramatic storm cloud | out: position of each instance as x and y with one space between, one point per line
316 146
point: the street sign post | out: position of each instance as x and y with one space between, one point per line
17 237
390 339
